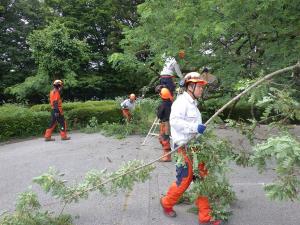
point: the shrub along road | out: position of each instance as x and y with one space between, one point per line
21 161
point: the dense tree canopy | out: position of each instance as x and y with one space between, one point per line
234 38
238 40
97 23
17 20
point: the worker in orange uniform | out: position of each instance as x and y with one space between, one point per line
163 114
186 121
128 106
57 115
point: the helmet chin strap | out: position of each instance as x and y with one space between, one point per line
193 92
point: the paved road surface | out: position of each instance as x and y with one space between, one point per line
21 161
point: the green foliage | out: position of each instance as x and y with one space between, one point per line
18 19
142 118
240 111
215 154
118 130
122 179
28 211
19 121
242 156
280 105
92 126
262 39
67 106
81 116
219 192
285 150
57 55
78 114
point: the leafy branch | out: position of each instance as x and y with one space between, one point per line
286 152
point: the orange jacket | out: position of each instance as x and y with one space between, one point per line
55 100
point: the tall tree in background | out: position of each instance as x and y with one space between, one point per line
100 24
17 19
237 39
57 55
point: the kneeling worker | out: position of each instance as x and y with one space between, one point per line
128 106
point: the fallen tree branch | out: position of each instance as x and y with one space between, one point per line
207 122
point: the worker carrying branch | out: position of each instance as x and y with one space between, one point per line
169 70
57 114
186 121
128 106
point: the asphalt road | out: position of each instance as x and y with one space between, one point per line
23 160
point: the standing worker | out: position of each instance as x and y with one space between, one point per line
57 115
169 70
128 106
163 114
186 121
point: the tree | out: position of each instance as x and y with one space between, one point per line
265 36
240 41
17 19
57 56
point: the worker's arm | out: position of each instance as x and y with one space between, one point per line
177 70
124 104
160 111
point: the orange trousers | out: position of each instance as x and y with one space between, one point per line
164 139
184 178
126 114
62 123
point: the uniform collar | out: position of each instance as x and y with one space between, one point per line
189 98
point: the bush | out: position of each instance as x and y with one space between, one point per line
19 121
82 115
142 119
67 106
242 110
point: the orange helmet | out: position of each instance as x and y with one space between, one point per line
165 94
194 77
132 96
58 83
181 54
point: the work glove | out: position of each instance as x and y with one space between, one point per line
181 83
201 128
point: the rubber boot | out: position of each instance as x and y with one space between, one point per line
167 158
216 222
168 212
49 139
65 138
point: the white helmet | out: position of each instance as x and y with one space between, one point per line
194 77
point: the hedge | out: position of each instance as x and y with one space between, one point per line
17 121
73 105
80 116
21 121
242 110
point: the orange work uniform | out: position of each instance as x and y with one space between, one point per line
56 115
184 178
